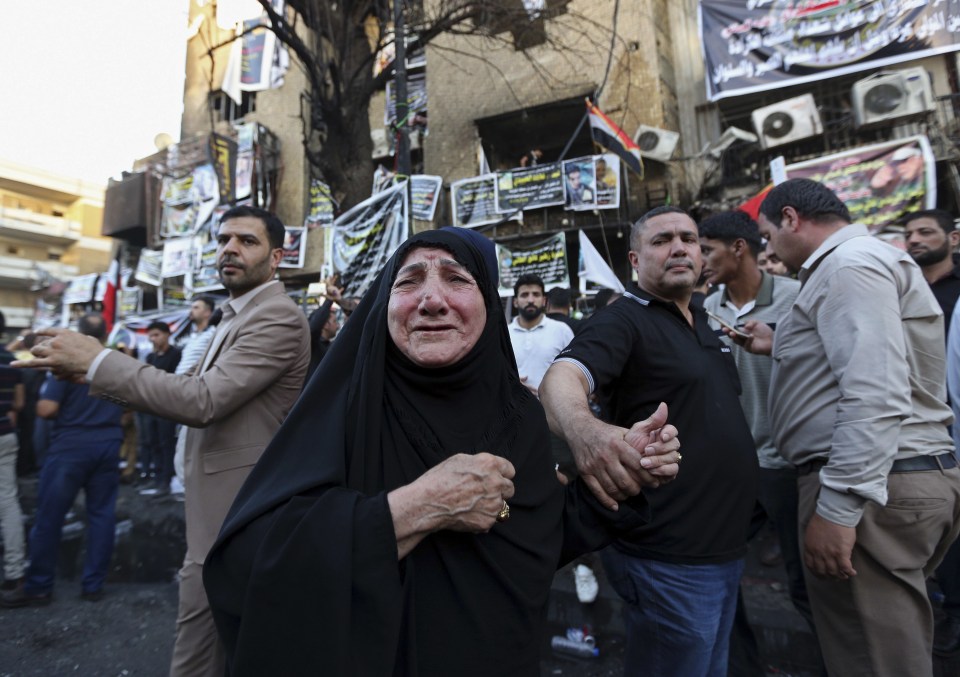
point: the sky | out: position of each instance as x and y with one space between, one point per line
86 85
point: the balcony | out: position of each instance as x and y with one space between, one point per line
17 273
26 226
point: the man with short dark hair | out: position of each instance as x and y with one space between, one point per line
558 307
84 453
680 573
858 404
234 402
195 344
932 237
160 432
536 339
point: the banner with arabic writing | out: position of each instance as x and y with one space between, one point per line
879 183
366 236
756 45
547 258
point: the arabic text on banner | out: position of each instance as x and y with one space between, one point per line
366 236
424 195
548 259
751 46
321 210
529 188
878 183
474 201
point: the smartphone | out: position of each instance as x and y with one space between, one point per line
726 325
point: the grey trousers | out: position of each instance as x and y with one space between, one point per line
880 623
198 651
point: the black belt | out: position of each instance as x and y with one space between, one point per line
915 464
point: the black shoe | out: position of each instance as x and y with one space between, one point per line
946 637
92 595
18 597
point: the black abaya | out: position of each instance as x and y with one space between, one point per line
305 577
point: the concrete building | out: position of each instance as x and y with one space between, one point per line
521 86
49 232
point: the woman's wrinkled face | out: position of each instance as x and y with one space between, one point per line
436 311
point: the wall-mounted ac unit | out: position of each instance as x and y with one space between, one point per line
656 144
892 94
382 146
787 121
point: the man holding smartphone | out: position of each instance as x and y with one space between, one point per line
731 244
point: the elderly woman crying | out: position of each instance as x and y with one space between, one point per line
406 519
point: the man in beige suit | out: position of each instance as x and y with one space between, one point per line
234 401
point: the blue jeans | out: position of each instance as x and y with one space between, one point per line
65 471
679 616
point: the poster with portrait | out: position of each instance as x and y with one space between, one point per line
547 258
424 195
81 289
606 172
879 183
148 267
294 247
189 201
579 183
177 258
130 301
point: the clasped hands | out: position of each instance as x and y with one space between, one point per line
617 463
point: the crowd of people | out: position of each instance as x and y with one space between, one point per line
394 495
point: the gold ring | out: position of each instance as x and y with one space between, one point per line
504 513
679 457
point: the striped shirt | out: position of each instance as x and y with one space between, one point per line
194 348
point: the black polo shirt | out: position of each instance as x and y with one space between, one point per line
947 290
641 351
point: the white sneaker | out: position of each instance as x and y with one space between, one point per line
587 587
176 486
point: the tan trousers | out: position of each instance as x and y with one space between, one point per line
197 651
880 623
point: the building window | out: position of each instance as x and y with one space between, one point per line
225 109
507 138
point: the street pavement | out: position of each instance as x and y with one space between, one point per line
130 632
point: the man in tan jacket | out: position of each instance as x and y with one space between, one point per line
234 400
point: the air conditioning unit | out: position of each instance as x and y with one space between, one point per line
787 121
382 143
892 94
656 144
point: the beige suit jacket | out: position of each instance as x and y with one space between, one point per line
233 407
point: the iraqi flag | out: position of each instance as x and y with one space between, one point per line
614 139
110 295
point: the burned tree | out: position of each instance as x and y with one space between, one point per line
346 37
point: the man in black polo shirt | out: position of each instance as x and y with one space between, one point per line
932 238
679 574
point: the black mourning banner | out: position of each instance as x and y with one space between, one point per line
756 45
